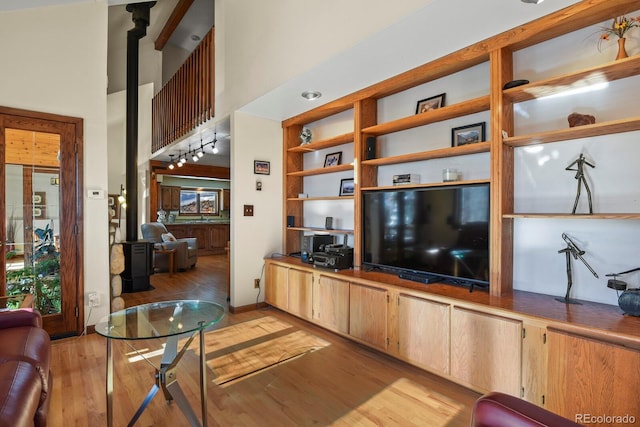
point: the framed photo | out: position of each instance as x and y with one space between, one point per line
347 187
429 104
39 205
333 159
469 134
261 167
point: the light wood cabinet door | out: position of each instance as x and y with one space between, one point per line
534 364
276 287
331 303
300 292
587 377
368 314
486 351
423 332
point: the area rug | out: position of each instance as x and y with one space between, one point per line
250 347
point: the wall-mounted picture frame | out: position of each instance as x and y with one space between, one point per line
39 205
261 167
333 159
347 187
469 134
431 103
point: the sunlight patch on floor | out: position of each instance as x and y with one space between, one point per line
397 403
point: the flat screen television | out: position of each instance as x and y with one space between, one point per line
426 234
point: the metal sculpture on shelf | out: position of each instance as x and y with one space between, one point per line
572 249
580 176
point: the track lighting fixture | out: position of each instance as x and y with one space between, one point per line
195 154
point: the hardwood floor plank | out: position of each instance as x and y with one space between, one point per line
342 384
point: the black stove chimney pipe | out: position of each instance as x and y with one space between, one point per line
140 15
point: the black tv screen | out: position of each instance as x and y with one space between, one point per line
438 231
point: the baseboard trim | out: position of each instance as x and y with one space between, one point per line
245 308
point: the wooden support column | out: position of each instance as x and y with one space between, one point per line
501 240
365 114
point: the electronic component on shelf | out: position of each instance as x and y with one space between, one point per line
406 178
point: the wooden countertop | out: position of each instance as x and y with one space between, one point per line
591 319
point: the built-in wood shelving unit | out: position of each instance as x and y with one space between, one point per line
432 184
321 230
326 143
596 129
320 171
311 199
481 147
445 113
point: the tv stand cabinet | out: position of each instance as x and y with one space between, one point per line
525 344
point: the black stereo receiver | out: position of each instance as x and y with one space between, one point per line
337 257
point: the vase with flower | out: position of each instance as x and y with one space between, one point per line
619 27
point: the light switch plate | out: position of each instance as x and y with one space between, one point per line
248 210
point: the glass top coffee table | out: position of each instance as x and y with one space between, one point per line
173 320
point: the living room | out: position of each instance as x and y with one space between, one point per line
258 138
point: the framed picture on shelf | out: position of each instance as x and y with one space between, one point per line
261 167
469 134
432 103
347 187
333 159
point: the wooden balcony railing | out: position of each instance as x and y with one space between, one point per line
187 99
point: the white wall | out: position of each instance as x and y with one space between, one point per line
260 235
54 60
262 44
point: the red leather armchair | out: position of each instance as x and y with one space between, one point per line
25 379
502 410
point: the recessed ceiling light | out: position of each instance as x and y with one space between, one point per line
311 95
532 1
195 38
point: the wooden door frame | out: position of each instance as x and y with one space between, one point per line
71 131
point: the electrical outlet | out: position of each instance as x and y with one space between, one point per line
256 283
94 299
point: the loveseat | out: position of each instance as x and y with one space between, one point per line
25 379
186 254
502 410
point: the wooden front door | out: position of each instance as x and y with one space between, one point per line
41 234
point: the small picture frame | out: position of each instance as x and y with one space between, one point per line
333 159
470 134
432 103
261 167
347 187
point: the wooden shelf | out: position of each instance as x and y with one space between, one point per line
320 230
320 171
577 81
325 143
432 184
445 113
480 147
634 216
311 199
596 129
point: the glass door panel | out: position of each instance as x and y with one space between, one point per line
32 214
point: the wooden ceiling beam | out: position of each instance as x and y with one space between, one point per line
172 23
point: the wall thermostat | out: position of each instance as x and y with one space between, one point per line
95 194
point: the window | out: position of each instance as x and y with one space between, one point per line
193 202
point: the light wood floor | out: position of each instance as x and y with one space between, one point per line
341 384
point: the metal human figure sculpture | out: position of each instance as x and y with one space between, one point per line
572 249
579 169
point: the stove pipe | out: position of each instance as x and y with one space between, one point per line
140 15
